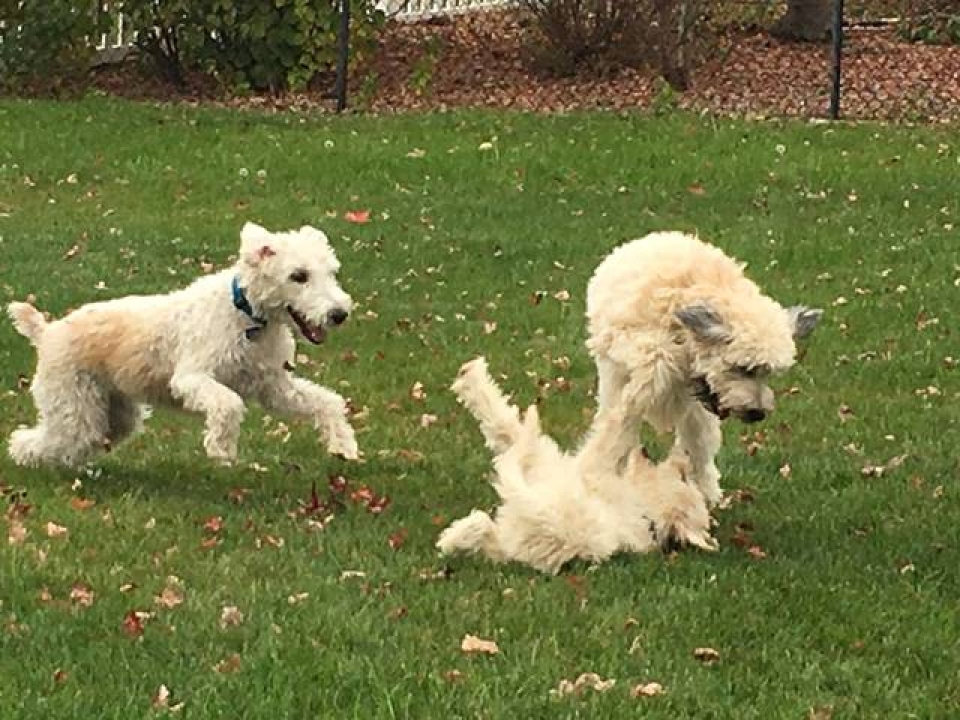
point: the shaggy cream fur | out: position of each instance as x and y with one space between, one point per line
195 348
555 506
682 336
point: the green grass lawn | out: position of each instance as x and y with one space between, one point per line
854 608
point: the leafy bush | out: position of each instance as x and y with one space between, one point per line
936 22
47 44
274 45
608 34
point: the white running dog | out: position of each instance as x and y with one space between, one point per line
606 498
206 348
681 335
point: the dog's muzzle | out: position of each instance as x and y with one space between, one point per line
752 415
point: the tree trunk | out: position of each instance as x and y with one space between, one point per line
805 21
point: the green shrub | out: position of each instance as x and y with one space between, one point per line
568 35
263 45
47 45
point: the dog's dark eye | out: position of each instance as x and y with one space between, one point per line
299 276
746 371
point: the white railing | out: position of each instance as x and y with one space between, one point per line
417 9
121 36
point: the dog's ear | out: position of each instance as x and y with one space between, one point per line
803 320
704 322
255 244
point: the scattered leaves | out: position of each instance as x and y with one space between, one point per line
397 539
79 503
359 217
230 664
584 681
650 689
54 530
707 655
81 594
471 644
230 616
417 393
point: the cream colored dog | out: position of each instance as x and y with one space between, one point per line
207 348
606 498
685 339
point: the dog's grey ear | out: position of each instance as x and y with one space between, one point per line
255 243
704 322
803 320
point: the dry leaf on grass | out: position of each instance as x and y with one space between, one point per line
230 616
358 217
54 530
585 680
82 595
707 655
16 532
471 644
229 664
650 689
133 622
170 597
417 392
79 503
161 701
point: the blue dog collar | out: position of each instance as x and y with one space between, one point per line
241 303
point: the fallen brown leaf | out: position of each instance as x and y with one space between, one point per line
79 503
707 655
650 689
54 530
585 680
230 664
472 644
359 217
82 595
230 616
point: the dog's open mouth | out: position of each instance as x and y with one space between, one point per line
708 398
312 332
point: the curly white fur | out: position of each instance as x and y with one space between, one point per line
671 317
193 349
555 506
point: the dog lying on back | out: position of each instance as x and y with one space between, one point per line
206 348
554 506
685 339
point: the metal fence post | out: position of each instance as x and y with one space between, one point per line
835 61
343 55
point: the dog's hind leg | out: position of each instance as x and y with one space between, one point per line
476 533
73 425
221 406
699 435
499 421
288 394
125 417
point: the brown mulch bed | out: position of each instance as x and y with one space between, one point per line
478 60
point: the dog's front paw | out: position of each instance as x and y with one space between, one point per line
707 481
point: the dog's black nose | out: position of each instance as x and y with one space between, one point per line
337 316
753 415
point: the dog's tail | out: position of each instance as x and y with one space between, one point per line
499 421
28 321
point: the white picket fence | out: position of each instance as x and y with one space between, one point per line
417 9
121 37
